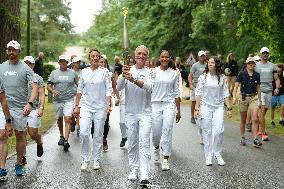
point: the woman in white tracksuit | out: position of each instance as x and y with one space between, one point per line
211 92
164 84
93 104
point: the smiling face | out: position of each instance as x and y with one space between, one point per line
141 55
264 56
165 58
103 63
63 65
211 65
94 57
13 54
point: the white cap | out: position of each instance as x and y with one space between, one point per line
200 53
30 59
264 49
104 56
14 44
257 58
250 59
63 57
76 59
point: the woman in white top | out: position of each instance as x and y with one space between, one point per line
211 92
93 104
164 84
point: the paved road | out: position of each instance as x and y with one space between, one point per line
246 167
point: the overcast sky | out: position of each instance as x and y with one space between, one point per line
82 13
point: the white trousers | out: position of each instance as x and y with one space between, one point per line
86 118
212 125
163 115
138 132
122 121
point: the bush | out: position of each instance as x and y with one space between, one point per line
48 68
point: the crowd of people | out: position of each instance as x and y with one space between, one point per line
149 95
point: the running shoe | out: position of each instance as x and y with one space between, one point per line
243 141
281 122
19 170
257 143
66 145
192 120
61 141
39 150
208 161
3 174
272 125
122 143
264 137
84 166
156 155
96 165
144 183
165 165
220 160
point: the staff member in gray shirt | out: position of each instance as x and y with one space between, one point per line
62 83
17 78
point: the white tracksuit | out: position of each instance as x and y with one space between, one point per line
138 121
94 87
212 112
122 115
165 89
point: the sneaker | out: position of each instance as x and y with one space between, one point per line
248 127
257 143
201 140
122 143
243 141
220 160
105 146
84 166
281 122
272 125
73 126
264 137
3 174
66 145
78 132
39 150
192 120
156 155
24 161
96 165
165 165
61 140
208 161
133 175
144 182
19 170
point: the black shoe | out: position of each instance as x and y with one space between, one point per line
122 143
144 182
24 161
66 145
61 140
39 150
281 122
243 141
73 126
257 143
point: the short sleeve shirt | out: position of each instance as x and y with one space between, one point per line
65 82
266 72
248 83
196 70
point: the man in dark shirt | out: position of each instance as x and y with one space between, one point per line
249 80
38 69
117 65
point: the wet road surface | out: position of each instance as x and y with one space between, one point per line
246 167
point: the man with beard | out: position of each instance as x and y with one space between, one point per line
17 78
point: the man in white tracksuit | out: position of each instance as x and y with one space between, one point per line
137 115
122 125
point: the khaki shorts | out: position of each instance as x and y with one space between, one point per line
249 102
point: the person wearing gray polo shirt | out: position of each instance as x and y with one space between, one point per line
267 71
17 77
62 83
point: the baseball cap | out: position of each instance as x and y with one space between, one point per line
200 53
30 59
63 57
256 58
250 59
76 59
14 44
264 49
104 56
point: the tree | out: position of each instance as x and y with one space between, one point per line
10 24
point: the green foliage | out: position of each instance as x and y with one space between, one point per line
47 68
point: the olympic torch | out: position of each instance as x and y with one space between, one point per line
125 47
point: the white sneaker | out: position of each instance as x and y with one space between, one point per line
156 155
220 160
165 165
208 161
133 175
84 166
96 165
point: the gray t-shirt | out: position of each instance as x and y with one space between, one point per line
196 70
64 82
16 79
266 72
1 86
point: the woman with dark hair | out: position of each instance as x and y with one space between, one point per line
211 92
231 71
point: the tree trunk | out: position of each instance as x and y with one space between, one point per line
10 24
